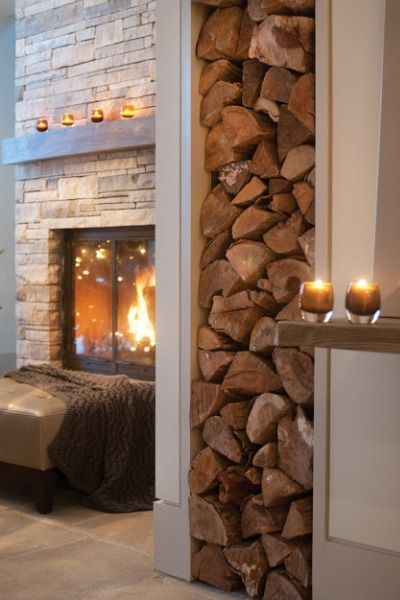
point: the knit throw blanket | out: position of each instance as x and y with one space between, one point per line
105 446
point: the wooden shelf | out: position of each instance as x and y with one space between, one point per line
109 136
384 336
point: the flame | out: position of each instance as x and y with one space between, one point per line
140 326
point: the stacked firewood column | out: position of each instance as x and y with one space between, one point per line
251 484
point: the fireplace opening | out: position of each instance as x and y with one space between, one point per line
109 301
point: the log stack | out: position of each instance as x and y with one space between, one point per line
251 484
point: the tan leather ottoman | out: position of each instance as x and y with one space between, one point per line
29 421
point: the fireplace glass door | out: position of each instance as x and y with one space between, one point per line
110 301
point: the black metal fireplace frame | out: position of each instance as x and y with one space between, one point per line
88 363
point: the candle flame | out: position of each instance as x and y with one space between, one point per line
362 283
319 283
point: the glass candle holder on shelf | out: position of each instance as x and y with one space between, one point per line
97 115
316 301
68 120
363 302
42 125
127 111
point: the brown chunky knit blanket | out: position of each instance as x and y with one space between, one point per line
105 446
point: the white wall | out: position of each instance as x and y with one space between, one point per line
7 202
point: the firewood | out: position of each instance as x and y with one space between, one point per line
214 365
280 186
277 84
215 248
283 203
218 277
307 244
204 471
269 107
299 521
245 36
236 323
279 489
245 128
247 446
258 520
264 284
298 162
283 41
235 414
234 485
235 176
254 475
250 375
253 222
291 133
265 160
277 548
220 3
217 213
298 564
263 335
256 10
264 416
290 312
219 436
209 565
218 152
311 177
310 214
296 370
221 94
249 259
253 76
265 301
281 587
250 192
219 35
220 70
208 339
304 194
302 7
267 456
213 522
295 447
302 101
286 276
250 561
238 301
283 238
206 401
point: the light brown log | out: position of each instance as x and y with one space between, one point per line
254 475
218 152
290 312
269 107
264 300
220 3
302 7
307 244
277 548
214 522
304 194
311 177
310 214
299 162
219 35
279 186
286 276
206 401
283 41
214 365
284 203
250 561
283 238
302 101
256 10
299 521
215 248
221 94
278 488
253 222
218 277
234 485
264 284
235 176
220 437
264 416
281 587
217 213
291 133
250 192
265 160
209 565
267 456
249 375
263 335
253 76
235 414
298 564
245 36
237 301
249 259
208 339
219 70
296 370
277 84
247 446
295 447
244 128
237 323
258 520
204 471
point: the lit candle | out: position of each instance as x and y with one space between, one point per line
97 115
68 120
127 111
316 301
42 125
363 302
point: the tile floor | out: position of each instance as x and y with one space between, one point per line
77 553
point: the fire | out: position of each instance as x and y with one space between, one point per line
140 326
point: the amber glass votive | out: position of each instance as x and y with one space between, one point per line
68 120
127 111
97 115
42 125
363 302
316 301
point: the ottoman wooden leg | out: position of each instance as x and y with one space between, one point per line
44 487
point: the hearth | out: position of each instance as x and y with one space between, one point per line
109 301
